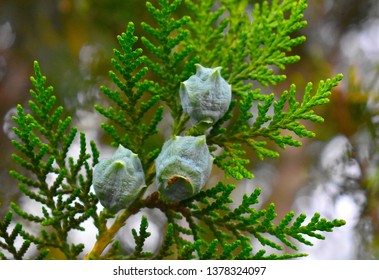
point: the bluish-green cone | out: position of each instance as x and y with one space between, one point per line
117 181
183 167
205 96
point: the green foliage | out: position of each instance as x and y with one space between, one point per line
140 240
170 59
127 127
8 242
248 128
229 231
58 182
252 49
247 46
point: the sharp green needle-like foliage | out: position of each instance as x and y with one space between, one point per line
251 46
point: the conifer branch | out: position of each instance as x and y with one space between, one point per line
171 57
245 131
140 239
209 214
126 115
66 203
7 240
252 51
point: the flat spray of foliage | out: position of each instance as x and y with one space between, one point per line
252 48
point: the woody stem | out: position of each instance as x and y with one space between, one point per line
107 237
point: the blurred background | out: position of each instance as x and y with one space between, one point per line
336 174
